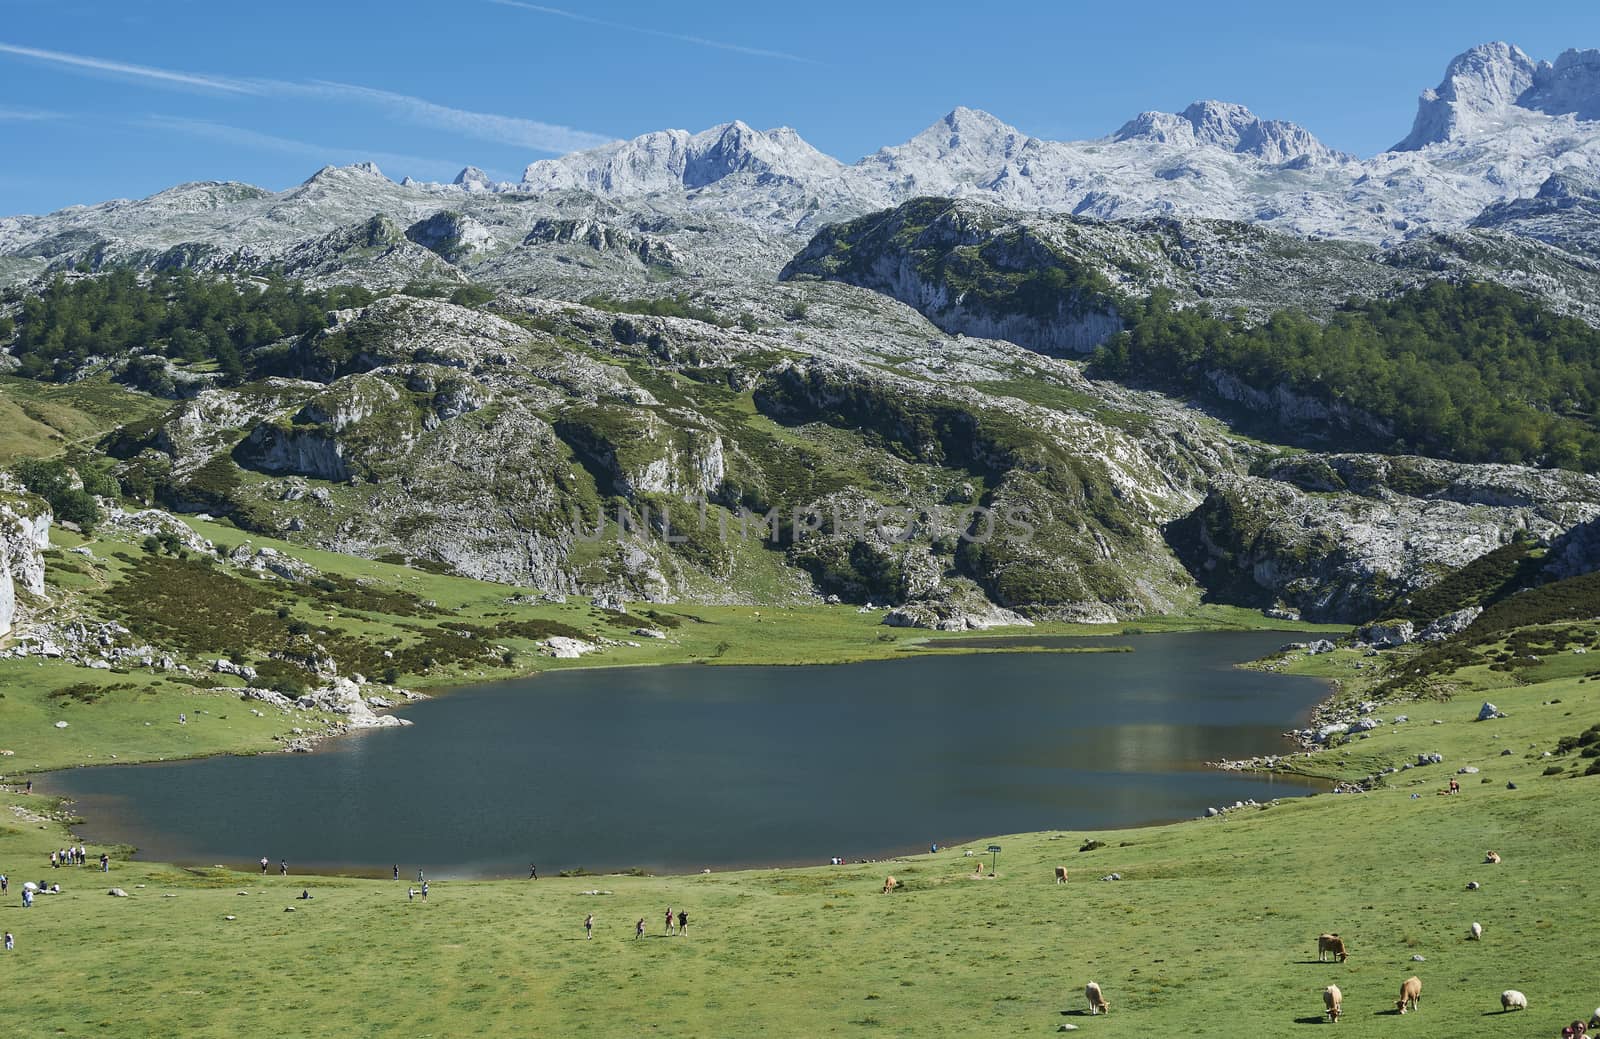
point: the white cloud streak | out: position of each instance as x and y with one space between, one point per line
27 114
699 41
485 126
166 77
222 133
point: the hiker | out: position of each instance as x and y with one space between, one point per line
638 928
105 863
283 867
397 871
30 787
55 862
411 894
683 921
4 883
533 872
11 942
27 899
424 890
419 874
669 920
588 927
263 865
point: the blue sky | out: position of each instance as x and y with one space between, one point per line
105 100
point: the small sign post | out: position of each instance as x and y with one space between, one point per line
994 849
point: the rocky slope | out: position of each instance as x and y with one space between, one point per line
24 535
689 384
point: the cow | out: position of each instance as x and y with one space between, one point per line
1410 995
1097 1000
1475 932
1331 1000
1330 943
1492 857
1511 999
889 884
1061 874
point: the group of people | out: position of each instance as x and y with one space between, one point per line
675 924
77 855
283 866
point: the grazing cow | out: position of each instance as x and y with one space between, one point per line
1410 995
1492 857
1475 932
1061 874
1511 999
1331 1000
1097 1000
1330 943
889 884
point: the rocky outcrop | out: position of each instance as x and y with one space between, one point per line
1341 537
24 535
956 264
343 697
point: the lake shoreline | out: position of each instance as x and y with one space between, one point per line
894 850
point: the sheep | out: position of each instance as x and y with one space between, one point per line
1475 932
1511 999
1097 1001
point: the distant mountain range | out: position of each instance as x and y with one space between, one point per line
1500 144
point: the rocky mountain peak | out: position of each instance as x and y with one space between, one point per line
1478 86
473 179
1570 86
676 160
1231 127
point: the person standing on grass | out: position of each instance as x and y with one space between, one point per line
105 863
11 942
424 890
533 872
683 921
669 920
411 894
27 901
397 871
283 867
263 865
638 928
4 883
588 926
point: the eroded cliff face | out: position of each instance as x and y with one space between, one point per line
24 535
1342 537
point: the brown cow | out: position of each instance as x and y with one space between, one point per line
890 884
1331 1000
1097 1000
1330 943
1061 874
1410 995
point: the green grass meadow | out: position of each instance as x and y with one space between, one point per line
1211 932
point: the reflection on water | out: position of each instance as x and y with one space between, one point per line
679 768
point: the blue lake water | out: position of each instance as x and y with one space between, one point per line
680 768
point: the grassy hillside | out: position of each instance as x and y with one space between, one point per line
1211 931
